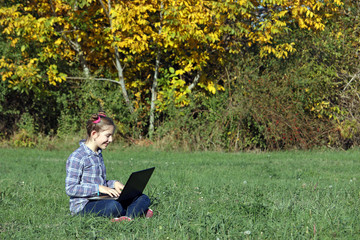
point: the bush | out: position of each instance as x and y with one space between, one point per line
268 104
309 99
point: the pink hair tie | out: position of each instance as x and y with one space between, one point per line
99 119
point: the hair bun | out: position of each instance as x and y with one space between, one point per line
101 112
94 117
97 122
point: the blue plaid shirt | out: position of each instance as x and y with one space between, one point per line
85 171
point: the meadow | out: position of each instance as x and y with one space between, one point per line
199 195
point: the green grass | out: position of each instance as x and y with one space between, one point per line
280 195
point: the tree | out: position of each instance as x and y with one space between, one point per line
156 50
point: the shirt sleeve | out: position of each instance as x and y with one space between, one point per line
73 185
111 183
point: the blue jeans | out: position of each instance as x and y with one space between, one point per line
112 208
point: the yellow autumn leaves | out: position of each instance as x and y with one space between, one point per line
190 36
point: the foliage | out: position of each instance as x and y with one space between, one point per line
142 37
199 126
26 135
222 74
346 30
269 104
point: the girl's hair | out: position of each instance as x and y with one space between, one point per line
97 122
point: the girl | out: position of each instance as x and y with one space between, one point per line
86 176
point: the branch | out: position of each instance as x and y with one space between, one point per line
118 66
352 79
74 45
195 82
107 11
91 78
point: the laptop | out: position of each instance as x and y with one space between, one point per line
132 189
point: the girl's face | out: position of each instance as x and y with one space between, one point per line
103 137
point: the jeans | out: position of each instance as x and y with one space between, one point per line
112 208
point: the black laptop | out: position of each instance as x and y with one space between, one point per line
132 189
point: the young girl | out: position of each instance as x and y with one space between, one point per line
86 176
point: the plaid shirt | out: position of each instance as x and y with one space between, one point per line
85 171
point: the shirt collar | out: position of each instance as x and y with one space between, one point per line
88 150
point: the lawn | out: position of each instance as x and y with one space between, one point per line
202 195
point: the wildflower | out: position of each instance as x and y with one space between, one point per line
330 186
244 182
247 232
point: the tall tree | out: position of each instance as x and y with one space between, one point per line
156 50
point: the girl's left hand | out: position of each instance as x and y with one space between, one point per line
118 186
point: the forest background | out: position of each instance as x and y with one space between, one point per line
191 75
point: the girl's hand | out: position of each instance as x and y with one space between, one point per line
109 191
118 186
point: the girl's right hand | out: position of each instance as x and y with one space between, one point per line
109 191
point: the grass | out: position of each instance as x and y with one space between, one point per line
207 195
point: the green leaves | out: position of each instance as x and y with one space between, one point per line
140 42
190 34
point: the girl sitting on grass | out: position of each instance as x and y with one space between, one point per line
86 176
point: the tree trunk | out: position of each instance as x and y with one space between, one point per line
118 66
154 96
154 87
122 81
195 82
